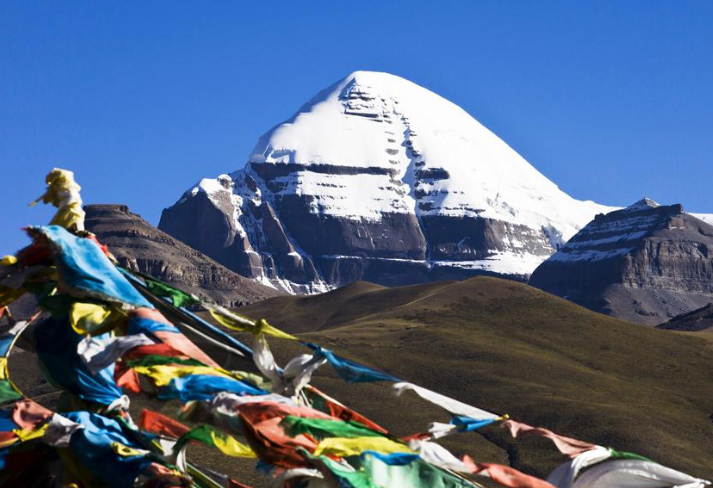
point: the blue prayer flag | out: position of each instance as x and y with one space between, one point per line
350 371
205 387
85 271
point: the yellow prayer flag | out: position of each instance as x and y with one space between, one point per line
162 374
126 451
91 318
3 369
63 193
26 435
241 324
230 446
343 446
8 260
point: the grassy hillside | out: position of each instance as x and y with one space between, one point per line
508 347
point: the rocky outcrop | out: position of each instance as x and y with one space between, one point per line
694 321
646 263
377 179
139 246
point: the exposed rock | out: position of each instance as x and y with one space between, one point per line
692 321
646 263
378 179
139 246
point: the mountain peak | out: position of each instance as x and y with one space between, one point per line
438 158
643 204
381 179
374 77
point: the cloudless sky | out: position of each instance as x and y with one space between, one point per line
610 100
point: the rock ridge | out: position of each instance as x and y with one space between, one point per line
139 246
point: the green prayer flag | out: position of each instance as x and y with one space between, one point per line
322 428
225 443
627 455
415 474
347 478
7 392
178 298
156 360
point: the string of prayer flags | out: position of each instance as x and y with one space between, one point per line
108 334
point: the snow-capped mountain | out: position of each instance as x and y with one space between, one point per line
380 179
645 263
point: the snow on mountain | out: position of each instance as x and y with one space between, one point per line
704 217
605 238
433 157
378 178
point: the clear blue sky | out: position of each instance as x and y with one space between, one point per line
610 100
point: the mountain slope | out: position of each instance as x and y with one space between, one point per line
378 178
707 218
139 246
697 320
646 263
508 347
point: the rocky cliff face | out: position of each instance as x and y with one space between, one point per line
697 320
377 179
139 246
646 263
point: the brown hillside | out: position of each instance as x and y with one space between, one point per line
508 347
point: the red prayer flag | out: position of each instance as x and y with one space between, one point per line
157 423
566 445
28 415
510 477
